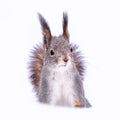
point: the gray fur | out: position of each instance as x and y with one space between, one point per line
44 77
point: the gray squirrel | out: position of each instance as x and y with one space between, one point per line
57 69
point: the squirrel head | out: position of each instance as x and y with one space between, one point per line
58 50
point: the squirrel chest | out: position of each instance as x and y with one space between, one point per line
62 87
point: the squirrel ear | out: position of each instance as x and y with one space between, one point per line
65 25
45 29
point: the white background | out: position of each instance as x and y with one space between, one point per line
93 24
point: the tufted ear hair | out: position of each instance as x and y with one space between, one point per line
45 30
65 25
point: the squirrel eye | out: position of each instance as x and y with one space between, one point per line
71 49
52 52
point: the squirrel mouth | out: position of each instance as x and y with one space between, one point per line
63 64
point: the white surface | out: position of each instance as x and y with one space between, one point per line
93 25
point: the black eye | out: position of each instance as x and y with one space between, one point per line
71 49
52 52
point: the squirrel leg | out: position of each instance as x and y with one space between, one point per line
78 103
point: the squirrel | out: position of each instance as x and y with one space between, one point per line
57 69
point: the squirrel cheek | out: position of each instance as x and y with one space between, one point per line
59 61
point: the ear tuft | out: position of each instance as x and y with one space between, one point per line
45 28
65 25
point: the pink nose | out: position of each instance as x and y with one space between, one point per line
65 59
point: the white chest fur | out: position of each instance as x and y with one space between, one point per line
62 87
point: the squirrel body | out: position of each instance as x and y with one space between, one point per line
57 69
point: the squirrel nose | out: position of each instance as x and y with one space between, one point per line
65 59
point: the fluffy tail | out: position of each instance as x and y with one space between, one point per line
36 66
